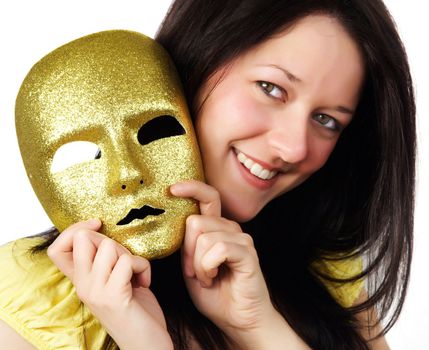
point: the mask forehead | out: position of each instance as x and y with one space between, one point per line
104 88
106 78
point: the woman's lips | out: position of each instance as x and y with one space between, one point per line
256 168
253 180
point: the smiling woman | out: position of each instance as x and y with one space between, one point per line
282 109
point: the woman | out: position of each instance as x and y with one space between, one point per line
274 86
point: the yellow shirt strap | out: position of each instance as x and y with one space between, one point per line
345 293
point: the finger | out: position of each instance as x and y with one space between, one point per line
195 226
61 250
84 251
235 256
105 259
207 196
208 241
128 269
64 242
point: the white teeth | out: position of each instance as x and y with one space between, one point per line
264 174
255 168
248 163
241 157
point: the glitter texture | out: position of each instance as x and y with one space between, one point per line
103 88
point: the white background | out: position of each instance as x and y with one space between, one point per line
31 29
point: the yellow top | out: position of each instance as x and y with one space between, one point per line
40 303
344 293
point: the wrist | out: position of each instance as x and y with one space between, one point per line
271 334
132 340
141 332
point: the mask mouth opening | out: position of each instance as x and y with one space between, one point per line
141 213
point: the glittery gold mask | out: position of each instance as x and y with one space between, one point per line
119 91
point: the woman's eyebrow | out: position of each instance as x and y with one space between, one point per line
344 110
289 75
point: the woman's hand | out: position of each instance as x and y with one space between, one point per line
221 268
114 284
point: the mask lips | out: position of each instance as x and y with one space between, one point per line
141 213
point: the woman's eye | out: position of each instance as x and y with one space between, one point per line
272 90
327 122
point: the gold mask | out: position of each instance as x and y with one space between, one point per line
120 91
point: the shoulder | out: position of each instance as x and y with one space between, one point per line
40 304
18 291
13 339
22 271
18 264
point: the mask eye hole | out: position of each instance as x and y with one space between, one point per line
159 128
74 153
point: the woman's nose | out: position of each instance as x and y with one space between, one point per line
289 139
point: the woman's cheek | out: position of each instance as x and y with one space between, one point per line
249 113
320 151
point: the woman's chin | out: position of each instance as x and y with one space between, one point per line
239 214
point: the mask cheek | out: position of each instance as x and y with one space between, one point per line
172 160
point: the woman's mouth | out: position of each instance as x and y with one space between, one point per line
255 168
255 173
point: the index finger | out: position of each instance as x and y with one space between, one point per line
61 250
207 196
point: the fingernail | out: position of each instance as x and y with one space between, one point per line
93 222
175 189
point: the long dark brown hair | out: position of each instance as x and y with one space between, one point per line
362 200
360 203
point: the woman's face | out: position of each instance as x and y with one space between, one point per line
272 118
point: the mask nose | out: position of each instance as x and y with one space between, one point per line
128 175
129 182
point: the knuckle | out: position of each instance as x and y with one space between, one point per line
206 265
222 247
125 259
142 260
248 240
215 194
204 241
193 221
81 234
232 225
235 226
107 244
211 206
